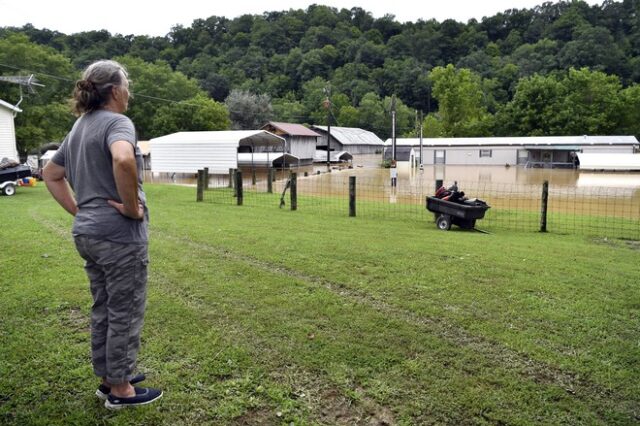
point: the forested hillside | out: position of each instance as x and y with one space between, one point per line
558 69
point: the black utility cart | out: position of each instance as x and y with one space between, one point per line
462 214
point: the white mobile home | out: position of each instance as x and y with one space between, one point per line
543 151
187 152
8 131
351 139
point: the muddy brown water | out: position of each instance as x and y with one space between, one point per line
595 193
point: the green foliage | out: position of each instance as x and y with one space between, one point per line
46 115
291 56
199 113
248 111
460 98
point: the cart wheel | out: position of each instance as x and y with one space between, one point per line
443 222
9 190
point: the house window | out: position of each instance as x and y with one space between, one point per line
485 153
523 156
439 156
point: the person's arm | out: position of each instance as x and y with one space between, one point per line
54 177
125 173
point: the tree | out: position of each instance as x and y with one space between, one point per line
248 111
46 115
196 114
152 86
460 99
591 103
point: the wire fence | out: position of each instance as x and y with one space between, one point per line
593 211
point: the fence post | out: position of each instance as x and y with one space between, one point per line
543 206
270 181
200 187
294 192
231 178
206 178
352 196
438 184
253 176
239 193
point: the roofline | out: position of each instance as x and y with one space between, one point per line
7 105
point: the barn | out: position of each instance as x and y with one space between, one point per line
299 141
187 152
543 151
350 139
7 131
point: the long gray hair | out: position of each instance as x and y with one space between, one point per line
94 90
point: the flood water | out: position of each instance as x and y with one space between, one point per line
500 184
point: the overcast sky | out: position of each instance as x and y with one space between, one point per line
156 18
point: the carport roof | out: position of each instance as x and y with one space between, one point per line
241 137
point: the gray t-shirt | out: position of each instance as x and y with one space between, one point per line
88 165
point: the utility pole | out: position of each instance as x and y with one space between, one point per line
327 105
421 162
393 127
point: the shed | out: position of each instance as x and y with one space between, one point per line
300 141
351 139
267 159
542 151
187 152
8 131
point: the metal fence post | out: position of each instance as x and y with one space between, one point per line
253 176
231 178
270 180
543 206
294 192
206 178
239 193
352 196
200 187
438 184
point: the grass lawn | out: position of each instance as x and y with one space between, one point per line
258 315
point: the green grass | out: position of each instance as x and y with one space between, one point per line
260 315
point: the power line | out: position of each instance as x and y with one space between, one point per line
134 94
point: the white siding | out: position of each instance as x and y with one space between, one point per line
7 135
188 157
608 149
471 156
303 147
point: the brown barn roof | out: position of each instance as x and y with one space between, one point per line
291 129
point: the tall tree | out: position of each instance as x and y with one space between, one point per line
248 111
460 99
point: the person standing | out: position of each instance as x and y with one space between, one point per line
96 176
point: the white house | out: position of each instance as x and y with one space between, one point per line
8 131
543 151
188 152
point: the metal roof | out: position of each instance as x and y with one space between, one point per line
518 141
352 135
241 137
608 161
291 129
9 106
334 156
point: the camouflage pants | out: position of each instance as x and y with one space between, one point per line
118 276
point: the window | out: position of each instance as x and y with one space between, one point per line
439 156
485 153
523 156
